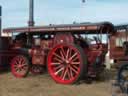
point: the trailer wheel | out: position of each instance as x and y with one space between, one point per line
20 66
67 63
36 69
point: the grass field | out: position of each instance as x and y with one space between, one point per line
43 85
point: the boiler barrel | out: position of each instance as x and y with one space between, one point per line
4 43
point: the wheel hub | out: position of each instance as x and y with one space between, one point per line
19 66
66 63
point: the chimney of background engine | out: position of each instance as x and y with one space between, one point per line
83 1
0 20
31 13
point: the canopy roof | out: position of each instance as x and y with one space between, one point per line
90 28
121 27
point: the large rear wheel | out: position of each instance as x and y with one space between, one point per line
20 66
66 63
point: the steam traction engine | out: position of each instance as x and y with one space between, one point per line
119 53
69 52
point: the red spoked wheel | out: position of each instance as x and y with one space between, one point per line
66 63
20 66
37 69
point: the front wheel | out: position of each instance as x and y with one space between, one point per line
20 66
66 63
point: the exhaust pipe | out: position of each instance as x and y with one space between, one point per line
31 13
0 20
83 1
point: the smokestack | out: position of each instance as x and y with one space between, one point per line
31 13
83 1
0 20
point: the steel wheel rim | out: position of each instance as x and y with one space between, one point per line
19 66
61 72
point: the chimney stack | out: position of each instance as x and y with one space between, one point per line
31 13
83 1
0 20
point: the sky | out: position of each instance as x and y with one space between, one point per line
15 12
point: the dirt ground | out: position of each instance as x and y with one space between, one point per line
43 85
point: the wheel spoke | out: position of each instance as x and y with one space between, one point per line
23 61
20 60
59 70
25 67
60 61
72 57
16 62
55 63
58 67
19 70
62 73
75 67
73 70
75 63
65 73
69 75
64 54
16 68
68 53
63 57
58 56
